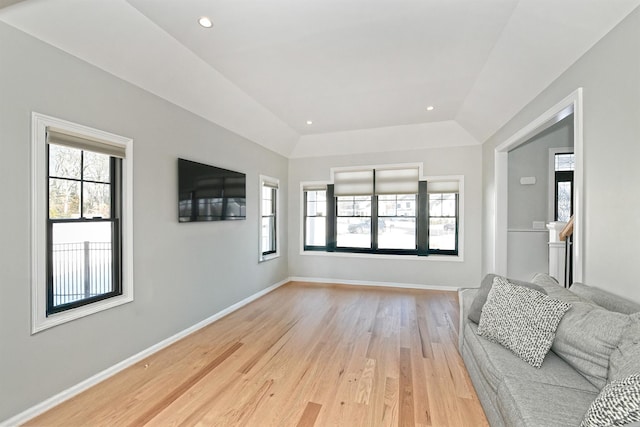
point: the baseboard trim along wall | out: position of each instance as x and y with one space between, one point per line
67 394
377 284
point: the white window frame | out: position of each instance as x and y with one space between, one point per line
267 179
39 195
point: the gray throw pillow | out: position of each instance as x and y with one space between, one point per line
481 297
605 299
523 320
625 359
617 404
586 338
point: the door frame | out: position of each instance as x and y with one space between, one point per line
572 104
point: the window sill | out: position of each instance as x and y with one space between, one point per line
52 320
269 257
432 258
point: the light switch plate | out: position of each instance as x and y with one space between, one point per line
528 180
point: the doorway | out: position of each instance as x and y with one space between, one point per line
569 108
540 183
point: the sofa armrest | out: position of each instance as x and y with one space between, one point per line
465 298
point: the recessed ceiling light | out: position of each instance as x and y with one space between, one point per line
430 108
309 122
205 22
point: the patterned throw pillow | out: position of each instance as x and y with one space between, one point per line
523 320
617 404
485 286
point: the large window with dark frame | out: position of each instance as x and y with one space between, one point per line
382 211
315 217
83 222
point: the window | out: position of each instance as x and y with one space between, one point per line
82 221
443 222
315 217
397 221
383 211
268 218
564 165
353 221
83 227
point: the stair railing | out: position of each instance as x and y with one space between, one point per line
567 235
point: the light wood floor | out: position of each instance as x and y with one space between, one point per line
303 355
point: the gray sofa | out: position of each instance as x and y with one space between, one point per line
513 393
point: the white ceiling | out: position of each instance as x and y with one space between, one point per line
359 69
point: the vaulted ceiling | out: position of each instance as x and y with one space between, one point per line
362 71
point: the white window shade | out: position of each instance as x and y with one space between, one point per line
397 181
353 183
84 142
443 187
314 187
269 183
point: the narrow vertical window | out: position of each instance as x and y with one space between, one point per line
443 217
268 218
315 218
563 188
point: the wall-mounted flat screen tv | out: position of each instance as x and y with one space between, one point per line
209 193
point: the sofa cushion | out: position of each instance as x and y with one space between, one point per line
522 319
586 337
543 279
495 362
481 296
617 404
605 299
625 359
537 404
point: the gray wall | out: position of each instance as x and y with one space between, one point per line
440 161
183 273
528 250
528 254
528 203
609 74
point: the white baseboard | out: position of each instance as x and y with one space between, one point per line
379 284
44 406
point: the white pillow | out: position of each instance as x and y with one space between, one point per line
523 320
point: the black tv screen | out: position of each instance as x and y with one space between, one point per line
209 193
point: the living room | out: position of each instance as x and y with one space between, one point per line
129 76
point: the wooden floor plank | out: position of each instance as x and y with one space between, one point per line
309 415
406 391
302 355
183 387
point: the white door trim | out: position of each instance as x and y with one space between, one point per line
572 104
